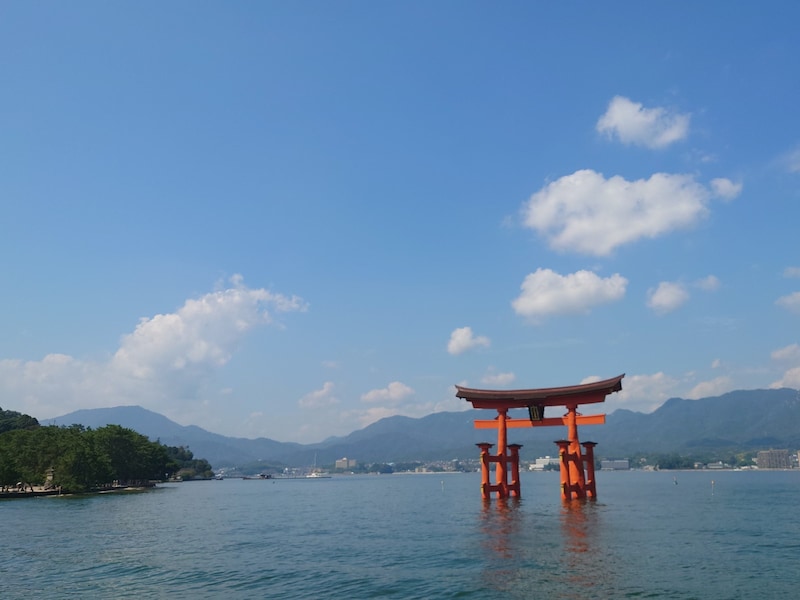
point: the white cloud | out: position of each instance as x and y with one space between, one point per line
589 214
725 188
714 387
498 379
170 356
394 392
631 123
319 398
790 379
671 295
668 296
415 410
42 388
546 293
202 334
789 356
646 393
789 353
642 393
462 339
376 413
792 161
708 284
791 272
790 302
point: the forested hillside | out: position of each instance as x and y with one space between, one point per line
10 420
79 459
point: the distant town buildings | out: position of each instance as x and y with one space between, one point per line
773 459
615 465
540 464
346 463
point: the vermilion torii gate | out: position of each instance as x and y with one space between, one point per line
575 483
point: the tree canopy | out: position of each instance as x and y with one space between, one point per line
11 420
77 459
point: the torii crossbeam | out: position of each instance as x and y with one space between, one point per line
575 483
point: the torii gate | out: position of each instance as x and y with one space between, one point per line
574 482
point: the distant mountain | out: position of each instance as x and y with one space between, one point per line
217 449
751 419
744 419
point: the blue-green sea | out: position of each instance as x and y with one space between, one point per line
704 534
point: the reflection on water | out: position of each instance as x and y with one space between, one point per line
502 527
546 551
585 563
499 521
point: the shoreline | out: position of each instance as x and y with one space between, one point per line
30 493
40 491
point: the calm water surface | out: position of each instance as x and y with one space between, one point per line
412 536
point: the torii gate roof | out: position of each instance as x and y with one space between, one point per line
586 393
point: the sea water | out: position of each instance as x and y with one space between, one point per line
699 534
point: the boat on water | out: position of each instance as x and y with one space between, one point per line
314 474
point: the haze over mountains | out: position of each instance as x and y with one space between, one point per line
740 420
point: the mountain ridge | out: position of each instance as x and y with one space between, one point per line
741 419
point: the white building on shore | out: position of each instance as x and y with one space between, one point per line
540 464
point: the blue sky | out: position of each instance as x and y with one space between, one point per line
292 219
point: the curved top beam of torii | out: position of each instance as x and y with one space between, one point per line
586 393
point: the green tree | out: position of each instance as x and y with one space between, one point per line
183 461
10 472
11 420
132 457
82 459
80 464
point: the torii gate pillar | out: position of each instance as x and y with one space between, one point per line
577 467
